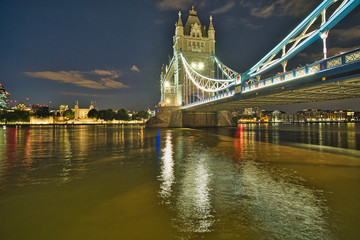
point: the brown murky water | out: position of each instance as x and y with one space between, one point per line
113 182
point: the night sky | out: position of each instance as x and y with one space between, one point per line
111 52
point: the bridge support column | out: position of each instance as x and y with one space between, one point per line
166 117
324 36
174 117
284 64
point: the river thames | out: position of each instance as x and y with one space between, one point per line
266 181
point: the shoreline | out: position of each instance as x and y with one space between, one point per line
68 124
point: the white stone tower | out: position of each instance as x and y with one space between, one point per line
197 44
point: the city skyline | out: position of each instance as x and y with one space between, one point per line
112 53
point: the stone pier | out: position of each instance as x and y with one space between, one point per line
175 117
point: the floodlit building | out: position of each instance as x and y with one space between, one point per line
81 113
197 44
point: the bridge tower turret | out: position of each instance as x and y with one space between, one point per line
197 44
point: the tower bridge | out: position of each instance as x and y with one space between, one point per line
197 89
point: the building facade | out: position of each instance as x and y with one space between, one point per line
197 45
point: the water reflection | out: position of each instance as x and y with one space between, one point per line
167 168
31 155
275 202
190 193
67 164
193 202
210 186
2 150
281 206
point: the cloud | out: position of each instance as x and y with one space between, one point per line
97 79
134 68
113 74
248 24
178 4
234 22
224 8
344 35
263 12
279 8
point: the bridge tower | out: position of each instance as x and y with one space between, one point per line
197 44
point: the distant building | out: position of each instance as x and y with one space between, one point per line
264 115
279 116
21 106
81 113
63 108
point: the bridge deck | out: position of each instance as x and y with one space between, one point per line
336 83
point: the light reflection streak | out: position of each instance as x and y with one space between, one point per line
286 209
167 168
194 200
67 165
277 201
28 148
2 149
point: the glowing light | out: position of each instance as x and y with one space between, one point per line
223 82
201 65
167 100
166 84
193 65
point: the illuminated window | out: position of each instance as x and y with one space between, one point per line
198 66
201 65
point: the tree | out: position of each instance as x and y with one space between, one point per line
42 112
16 116
69 114
122 114
93 113
4 98
141 115
106 115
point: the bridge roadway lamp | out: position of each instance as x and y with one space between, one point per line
167 84
238 79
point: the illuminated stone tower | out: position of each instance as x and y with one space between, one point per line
197 45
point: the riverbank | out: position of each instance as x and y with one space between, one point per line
73 122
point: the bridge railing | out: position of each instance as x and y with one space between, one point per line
212 99
319 66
